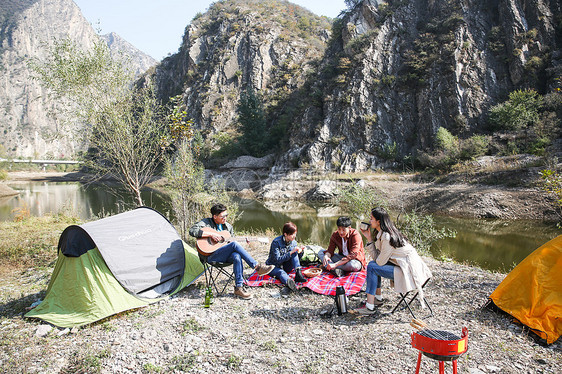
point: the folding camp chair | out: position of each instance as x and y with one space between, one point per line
214 270
407 303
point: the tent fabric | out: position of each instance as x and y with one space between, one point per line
532 291
84 288
139 236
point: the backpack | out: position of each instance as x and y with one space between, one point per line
309 255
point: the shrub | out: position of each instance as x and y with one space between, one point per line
521 110
474 146
389 151
421 231
358 201
552 183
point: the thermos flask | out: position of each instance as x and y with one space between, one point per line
341 300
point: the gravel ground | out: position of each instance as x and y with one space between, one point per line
274 333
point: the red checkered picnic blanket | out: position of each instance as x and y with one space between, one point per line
324 284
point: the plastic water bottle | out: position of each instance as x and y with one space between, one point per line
207 298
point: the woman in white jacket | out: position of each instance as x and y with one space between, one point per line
394 258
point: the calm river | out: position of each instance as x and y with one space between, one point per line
491 244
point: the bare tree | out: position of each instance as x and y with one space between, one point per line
123 123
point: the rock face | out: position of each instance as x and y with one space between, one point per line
406 68
379 84
271 46
27 127
118 46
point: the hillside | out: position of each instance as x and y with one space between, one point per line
375 88
27 124
272 46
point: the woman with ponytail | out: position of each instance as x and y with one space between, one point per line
394 258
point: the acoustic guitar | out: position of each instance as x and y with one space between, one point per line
207 245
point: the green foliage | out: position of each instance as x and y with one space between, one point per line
191 194
186 179
150 368
252 121
519 112
86 362
183 363
475 146
358 201
552 183
446 141
421 231
389 151
124 122
3 175
191 325
449 150
234 361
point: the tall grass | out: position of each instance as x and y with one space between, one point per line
32 241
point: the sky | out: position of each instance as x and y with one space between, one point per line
156 26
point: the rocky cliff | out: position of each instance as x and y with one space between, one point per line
399 70
27 126
119 46
385 77
271 45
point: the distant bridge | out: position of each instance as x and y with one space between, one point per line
41 162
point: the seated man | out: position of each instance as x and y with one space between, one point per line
284 254
350 256
232 252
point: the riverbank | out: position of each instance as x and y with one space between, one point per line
457 195
270 332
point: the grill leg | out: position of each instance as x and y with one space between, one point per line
419 363
454 366
441 367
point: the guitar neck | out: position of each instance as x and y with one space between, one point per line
244 239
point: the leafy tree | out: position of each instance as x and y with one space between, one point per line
446 141
191 195
123 123
358 201
252 121
517 113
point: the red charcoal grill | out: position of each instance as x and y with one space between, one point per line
440 345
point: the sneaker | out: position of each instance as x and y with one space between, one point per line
299 277
242 293
263 269
364 311
378 302
291 284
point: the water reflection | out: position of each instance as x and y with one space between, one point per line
492 244
95 200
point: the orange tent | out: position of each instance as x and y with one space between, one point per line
532 291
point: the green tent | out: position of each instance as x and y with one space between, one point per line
115 264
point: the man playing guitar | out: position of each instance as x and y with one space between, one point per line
232 252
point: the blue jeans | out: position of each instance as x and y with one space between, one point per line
374 274
353 265
283 273
235 254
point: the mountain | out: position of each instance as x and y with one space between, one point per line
272 46
118 46
26 27
380 80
